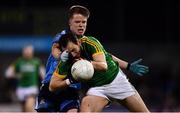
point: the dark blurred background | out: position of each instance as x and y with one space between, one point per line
128 29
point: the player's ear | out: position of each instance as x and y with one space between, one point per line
69 22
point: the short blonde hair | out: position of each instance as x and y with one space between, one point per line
78 9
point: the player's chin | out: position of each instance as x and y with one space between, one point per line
76 59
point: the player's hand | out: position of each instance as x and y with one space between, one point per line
64 56
138 69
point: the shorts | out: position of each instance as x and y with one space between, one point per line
60 101
23 92
119 89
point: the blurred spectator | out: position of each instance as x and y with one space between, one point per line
27 70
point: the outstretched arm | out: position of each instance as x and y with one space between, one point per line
122 64
134 67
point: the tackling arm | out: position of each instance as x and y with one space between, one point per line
55 51
99 62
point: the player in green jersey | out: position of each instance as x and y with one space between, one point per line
109 82
27 70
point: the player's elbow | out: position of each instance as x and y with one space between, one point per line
100 66
103 67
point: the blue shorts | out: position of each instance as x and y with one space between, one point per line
60 101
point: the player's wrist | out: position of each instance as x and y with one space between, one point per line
128 66
68 82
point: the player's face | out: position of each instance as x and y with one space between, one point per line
28 52
78 24
74 49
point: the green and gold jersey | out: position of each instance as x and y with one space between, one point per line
63 69
27 71
91 46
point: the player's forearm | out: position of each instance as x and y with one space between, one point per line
10 72
42 72
99 66
56 84
99 62
122 64
55 51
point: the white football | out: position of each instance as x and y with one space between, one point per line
82 70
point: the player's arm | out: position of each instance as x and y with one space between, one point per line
96 50
122 64
58 79
10 72
99 62
135 67
42 71
55 51
57 82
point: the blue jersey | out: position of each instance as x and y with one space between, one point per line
61 100
52 62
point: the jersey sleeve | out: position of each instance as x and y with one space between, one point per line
61 70
93 46
58 36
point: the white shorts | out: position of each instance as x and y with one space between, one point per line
119 89
23 92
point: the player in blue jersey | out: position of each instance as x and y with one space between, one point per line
47 101
57 101
62 100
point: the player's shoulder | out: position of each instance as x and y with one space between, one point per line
89 38
18 60
36 60
59 35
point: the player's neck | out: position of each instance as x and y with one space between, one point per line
80 36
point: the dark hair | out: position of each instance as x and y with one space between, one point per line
69 37
78 9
